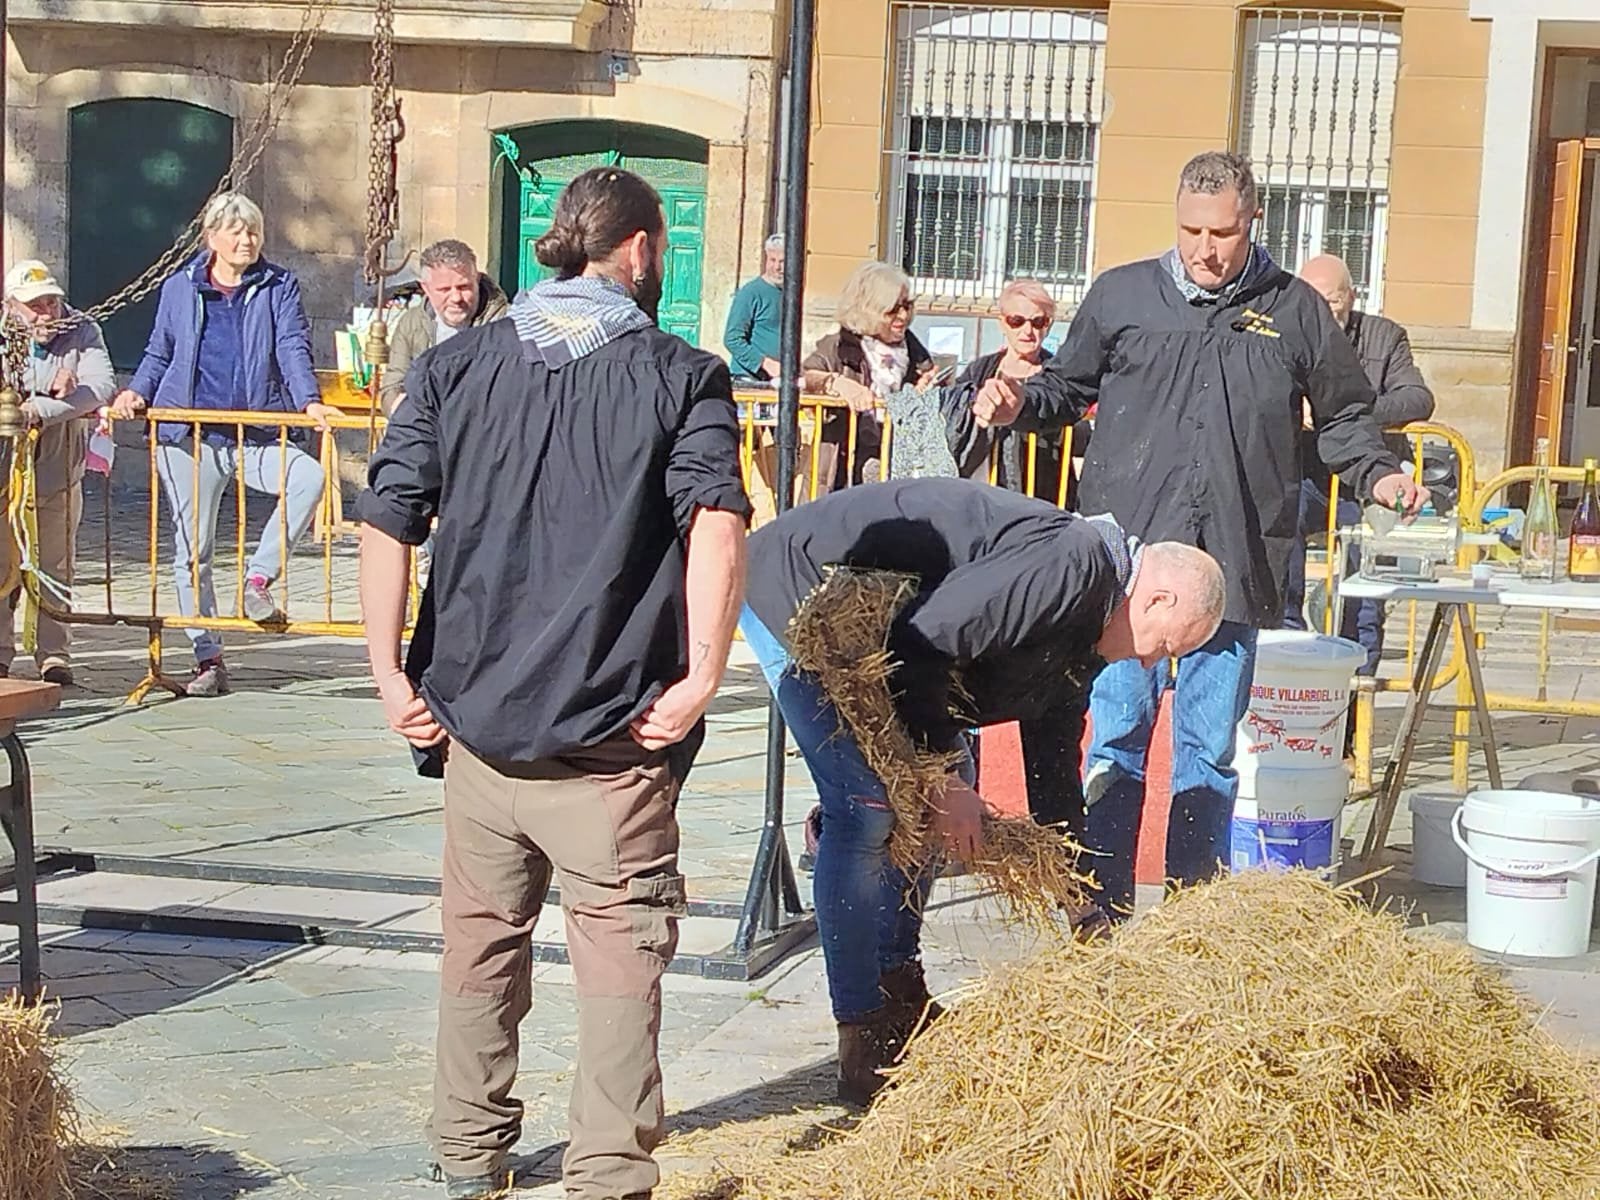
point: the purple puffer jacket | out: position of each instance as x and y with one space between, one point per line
276 375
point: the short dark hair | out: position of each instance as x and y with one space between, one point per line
1218 171
596 213
449 253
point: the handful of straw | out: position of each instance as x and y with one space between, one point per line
840 634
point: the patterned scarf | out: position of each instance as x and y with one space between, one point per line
1258 264
561 320
1126 551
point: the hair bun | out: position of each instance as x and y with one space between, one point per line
561 249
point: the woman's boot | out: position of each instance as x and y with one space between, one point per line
865 1048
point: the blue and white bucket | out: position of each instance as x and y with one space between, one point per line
1290 818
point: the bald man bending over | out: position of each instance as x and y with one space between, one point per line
1403 397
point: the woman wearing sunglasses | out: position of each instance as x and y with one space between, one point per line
1026 313
873 355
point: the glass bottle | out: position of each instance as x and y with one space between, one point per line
1583 552
1539 530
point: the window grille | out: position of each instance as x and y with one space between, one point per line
1316 120
992 147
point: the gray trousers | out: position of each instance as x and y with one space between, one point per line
286 472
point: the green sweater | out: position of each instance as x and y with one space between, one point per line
754 326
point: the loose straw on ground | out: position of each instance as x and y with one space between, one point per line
840 634
1263 1038
37 1125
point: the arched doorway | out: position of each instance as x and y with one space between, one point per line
537 161
138 171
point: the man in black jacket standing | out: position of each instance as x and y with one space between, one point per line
584 469
1201 362
1403 396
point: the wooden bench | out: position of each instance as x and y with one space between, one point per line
21 699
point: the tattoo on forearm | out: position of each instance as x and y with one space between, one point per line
702 654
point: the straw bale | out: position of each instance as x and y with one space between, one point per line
840 633
1262 1038
37 1125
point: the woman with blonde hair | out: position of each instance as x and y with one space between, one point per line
873 355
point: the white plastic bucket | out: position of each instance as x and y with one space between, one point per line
1435 858
1530 871
1299 701
1289 818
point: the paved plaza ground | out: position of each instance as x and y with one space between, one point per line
248 1068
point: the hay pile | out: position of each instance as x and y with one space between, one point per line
37 1124
840 634
1263 1038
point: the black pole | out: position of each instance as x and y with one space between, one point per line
771 863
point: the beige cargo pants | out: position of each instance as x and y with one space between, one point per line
603 823
58 517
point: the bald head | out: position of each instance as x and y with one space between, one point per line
1174 608
1328 274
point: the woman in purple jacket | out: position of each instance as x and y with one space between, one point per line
230 334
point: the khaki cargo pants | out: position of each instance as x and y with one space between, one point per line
603 823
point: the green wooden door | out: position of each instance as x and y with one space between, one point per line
138 171
681 182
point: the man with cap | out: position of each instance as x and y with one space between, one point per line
66 377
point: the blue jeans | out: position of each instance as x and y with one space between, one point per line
1212 691
869 915
1363 619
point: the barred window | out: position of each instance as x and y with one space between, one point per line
1317 116
992 147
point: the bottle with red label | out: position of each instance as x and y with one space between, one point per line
1583 557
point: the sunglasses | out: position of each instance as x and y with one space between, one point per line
902 306
1017 322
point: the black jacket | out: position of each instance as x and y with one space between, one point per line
1013 594
1197 437
974 448
556 609
1403 395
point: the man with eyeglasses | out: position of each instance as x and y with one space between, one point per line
1200 362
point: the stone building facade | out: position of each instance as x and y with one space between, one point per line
122 113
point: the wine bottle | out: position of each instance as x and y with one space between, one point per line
1583 554
1539 529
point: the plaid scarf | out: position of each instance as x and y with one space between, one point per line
1258 264
561 320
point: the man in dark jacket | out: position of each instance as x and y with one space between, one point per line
1017 605
1200 361
1403 396
584 469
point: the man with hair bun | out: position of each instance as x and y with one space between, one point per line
588 564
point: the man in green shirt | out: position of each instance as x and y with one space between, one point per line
754 323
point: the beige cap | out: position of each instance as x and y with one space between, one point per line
29 280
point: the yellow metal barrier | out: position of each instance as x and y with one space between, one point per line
818 463
156 618
1502 701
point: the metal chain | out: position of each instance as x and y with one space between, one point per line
251 147
388 128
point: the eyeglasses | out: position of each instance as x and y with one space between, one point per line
1017 321
906 306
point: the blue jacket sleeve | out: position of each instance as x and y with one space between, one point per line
293 349
158 350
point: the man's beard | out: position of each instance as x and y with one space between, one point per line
647 294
